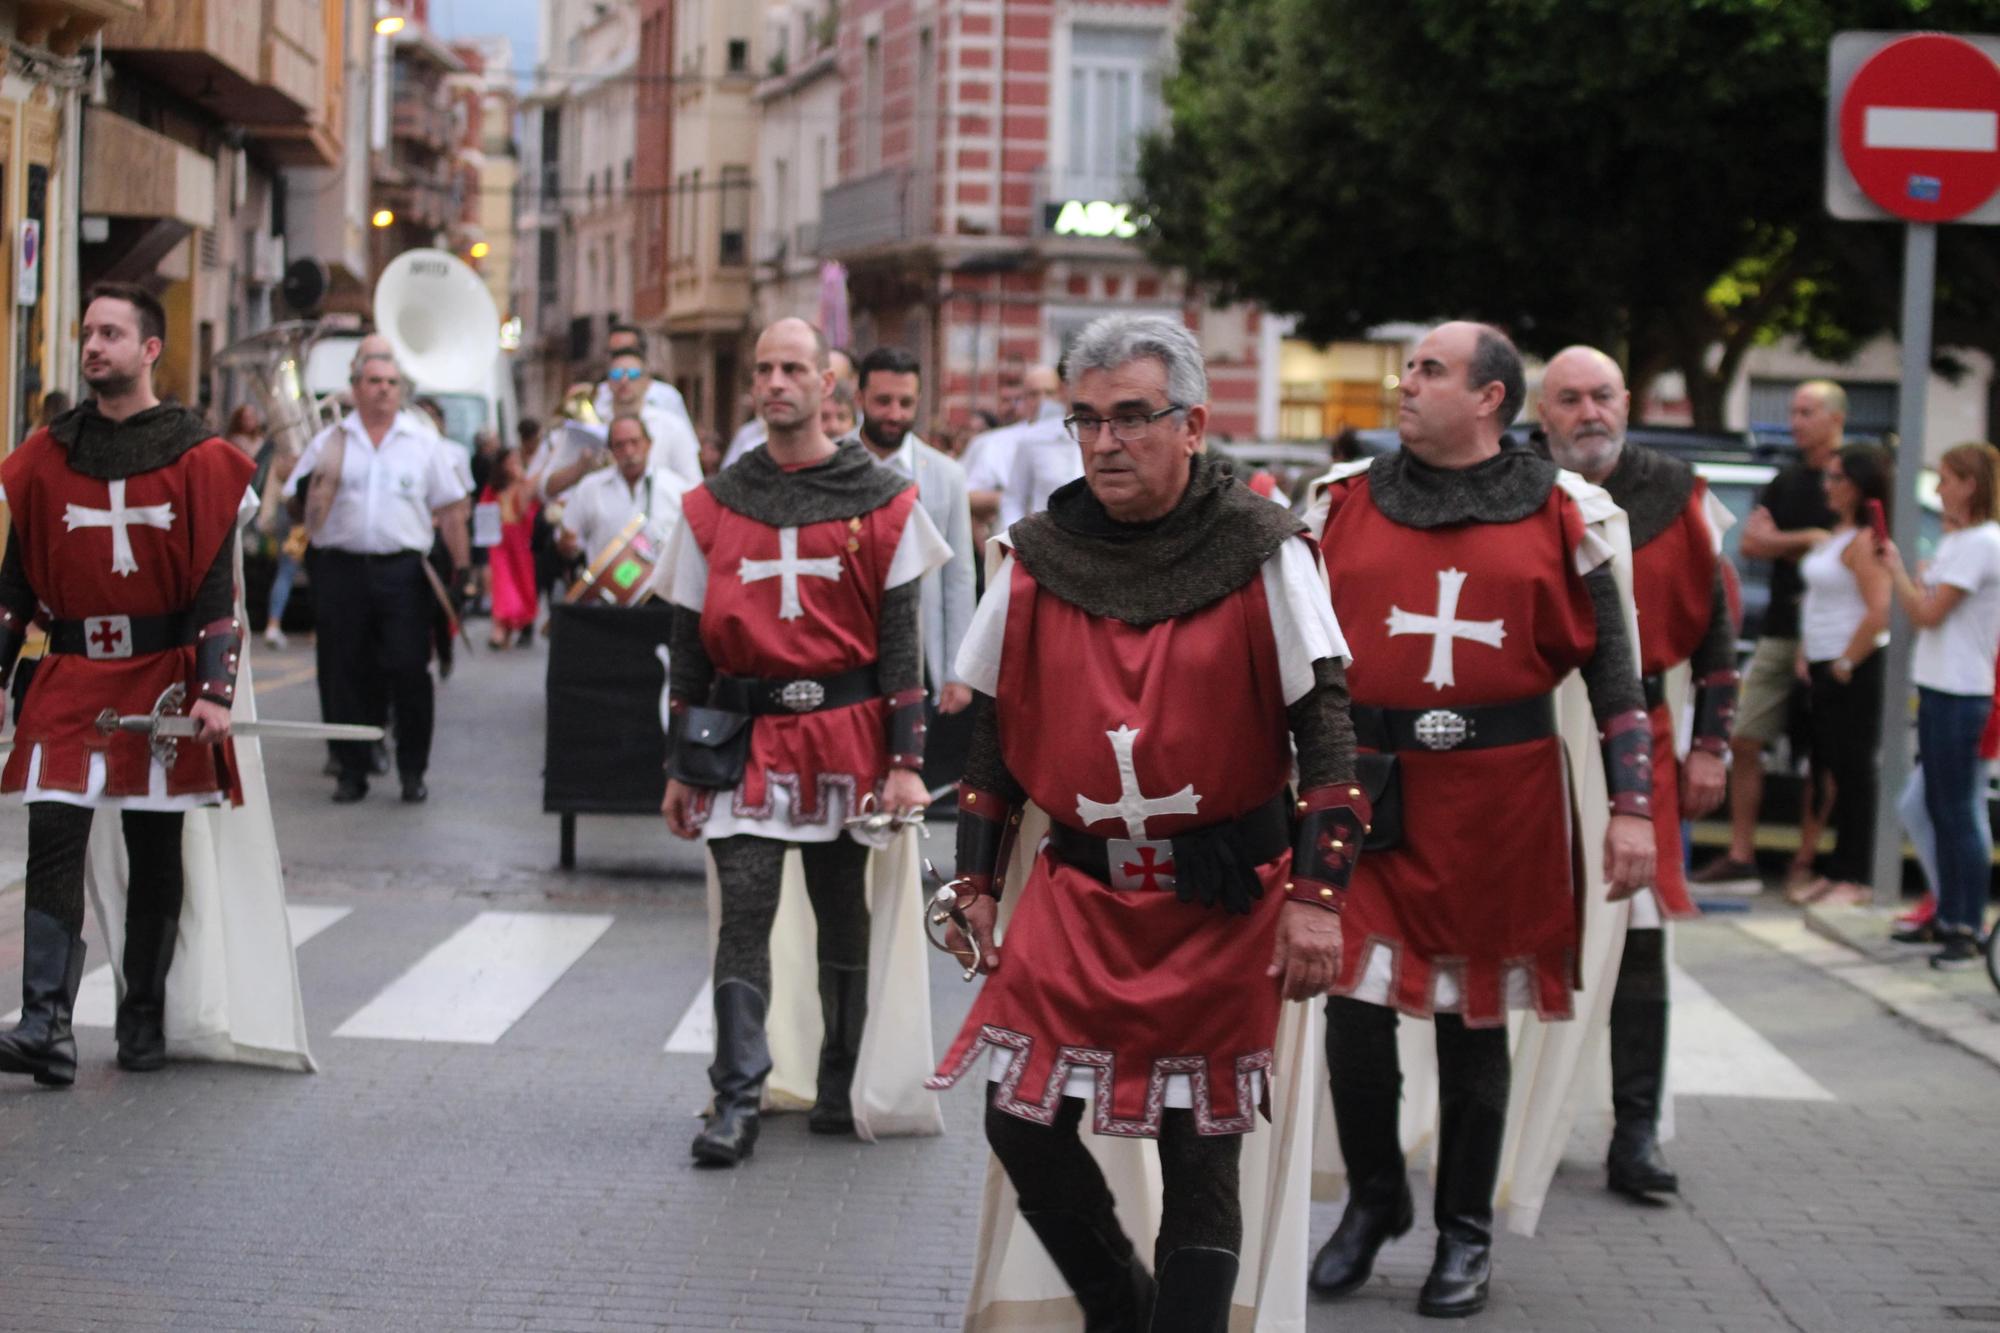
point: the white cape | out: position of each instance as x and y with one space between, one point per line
233 991
1015 1287
1552 1061
889 1094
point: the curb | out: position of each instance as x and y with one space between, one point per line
1824 941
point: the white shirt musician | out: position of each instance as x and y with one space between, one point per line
600 506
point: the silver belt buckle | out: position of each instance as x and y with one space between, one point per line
1443 729
107 638
802 696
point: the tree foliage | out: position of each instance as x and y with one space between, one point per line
1646 175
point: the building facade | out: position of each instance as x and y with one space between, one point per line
184 182
987 159
798 142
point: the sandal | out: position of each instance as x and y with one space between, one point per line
1807 892
1845 894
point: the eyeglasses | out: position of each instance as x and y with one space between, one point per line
624 373
1126 426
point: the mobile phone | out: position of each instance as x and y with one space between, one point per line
1879 522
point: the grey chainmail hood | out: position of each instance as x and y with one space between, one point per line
1212 543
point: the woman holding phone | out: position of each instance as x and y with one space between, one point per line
1956 611
1843 624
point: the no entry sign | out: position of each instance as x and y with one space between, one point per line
1920 127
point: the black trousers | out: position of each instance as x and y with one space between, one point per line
1846 746
373 645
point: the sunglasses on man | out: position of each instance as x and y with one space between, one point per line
625 373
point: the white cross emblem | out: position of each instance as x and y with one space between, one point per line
1446 626
1133 807
120 520
786 569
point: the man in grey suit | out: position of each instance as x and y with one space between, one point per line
889 384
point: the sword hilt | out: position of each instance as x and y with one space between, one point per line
942 910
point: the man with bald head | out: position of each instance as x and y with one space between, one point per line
1684 618
1791 518
796 694
1472 580
752 432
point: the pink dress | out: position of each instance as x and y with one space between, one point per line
513 562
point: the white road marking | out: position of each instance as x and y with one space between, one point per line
1930 128
477 984
695 1033
97 997
1713 1053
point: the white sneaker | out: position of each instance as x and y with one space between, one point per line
274 637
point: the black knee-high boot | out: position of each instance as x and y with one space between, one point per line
843 1004
1367 1081
152 926
742 1061
51 971
1473 1074
1633 1166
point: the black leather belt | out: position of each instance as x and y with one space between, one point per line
104 638
1655 686
1265 833
1483 728
808 694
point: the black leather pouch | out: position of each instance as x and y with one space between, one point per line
712 748
1381 779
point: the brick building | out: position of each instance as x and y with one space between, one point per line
987 155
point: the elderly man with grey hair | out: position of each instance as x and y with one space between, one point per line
1148 653
369 489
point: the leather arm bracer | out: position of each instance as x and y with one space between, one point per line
906 729
1627 742
986 827
13 633
1715 711
218 650
1329 823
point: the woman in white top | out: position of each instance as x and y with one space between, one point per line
1956 611
1843 623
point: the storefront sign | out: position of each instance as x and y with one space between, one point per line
1096 218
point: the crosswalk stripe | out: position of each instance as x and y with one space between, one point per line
97 997
1713 1053
695 1033
477 984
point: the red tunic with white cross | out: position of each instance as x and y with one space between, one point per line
1135 734
789 603
93 549
1673 583
1451 617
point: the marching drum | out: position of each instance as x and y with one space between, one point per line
622 573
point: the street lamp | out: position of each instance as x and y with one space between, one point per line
384 217
390 25
481 249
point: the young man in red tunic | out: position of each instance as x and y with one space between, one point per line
1684 618
796 691
123 544
1471 587
1143 662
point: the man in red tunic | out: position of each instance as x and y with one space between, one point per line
1684 617
1143 662
123 545
796 691
1472 587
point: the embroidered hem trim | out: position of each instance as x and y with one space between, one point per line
1006 1098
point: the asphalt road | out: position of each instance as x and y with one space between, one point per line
520 1162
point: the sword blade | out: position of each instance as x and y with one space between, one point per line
181 728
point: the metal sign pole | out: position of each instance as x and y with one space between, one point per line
1919 289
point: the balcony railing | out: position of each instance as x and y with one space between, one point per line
888 208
